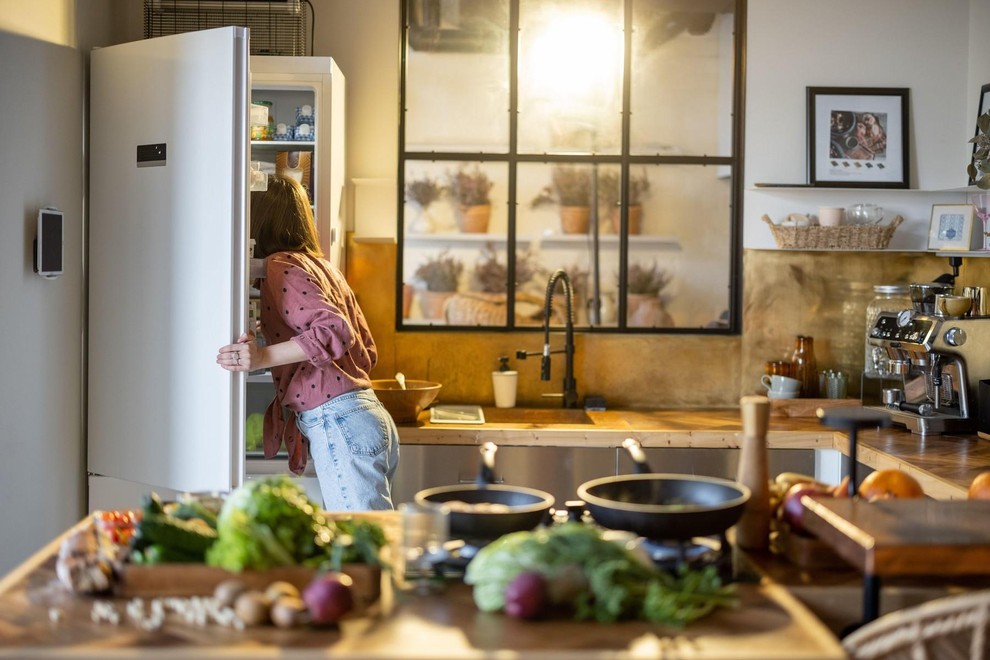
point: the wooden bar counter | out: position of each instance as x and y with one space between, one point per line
768 624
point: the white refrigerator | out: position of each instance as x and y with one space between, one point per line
170 154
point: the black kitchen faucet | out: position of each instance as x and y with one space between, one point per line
569 395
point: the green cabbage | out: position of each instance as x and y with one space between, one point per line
270 522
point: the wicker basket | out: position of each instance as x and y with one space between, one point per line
474 308
843 237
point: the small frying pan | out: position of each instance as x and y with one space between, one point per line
663 506
527 507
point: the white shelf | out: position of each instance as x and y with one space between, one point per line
555 240
284 144
264 377
801 187
961 253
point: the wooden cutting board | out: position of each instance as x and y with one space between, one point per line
905 537
181 580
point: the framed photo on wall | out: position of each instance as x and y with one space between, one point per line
982 107
858 137
952 228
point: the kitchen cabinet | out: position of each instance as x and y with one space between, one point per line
556 470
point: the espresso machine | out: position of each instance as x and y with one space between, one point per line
931 365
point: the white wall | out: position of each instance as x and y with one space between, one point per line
41 440
918 44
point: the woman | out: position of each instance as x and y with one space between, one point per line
320 352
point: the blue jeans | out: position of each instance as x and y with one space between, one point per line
355 448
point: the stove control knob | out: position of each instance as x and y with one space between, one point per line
955 336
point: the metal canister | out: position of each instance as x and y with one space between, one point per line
981 306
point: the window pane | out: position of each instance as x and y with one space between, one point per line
682 78
457 76
686 242
555 230
454 243
570 76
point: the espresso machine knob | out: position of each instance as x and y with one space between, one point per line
955 337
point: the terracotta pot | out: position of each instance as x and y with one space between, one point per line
474 219
635 219
432 303
645 310
575 219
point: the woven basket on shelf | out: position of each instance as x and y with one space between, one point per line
475 308
843 237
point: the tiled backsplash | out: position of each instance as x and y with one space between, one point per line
785 293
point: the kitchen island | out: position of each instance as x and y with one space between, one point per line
39 618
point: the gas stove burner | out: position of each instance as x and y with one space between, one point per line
694 553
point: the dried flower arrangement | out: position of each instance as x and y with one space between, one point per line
610 194
440 273
649 280
470 187
979 167
570 186
422 192
490 275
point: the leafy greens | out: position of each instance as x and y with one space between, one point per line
597 578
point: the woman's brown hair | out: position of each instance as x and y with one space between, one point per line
282 220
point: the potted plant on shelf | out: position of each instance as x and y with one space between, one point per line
644 307
979 167
570 189
485 302
438 276
420 193
470 188
611 196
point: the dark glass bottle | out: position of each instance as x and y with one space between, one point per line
805 367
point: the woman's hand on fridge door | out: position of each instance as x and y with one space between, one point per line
244 355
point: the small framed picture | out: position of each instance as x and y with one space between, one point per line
952 228
858 137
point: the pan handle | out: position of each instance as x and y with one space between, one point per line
635 450
486 474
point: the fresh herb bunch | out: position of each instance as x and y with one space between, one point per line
490 275
979 167
570 186
423 191
610 193
470 187
595 578
440 273
647 279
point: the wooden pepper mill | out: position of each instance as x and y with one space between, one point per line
753 528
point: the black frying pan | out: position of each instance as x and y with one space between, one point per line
663 506
527 507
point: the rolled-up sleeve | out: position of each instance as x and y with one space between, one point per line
309 309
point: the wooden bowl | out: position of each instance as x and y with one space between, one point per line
404 405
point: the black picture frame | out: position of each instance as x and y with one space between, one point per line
982 105
858 137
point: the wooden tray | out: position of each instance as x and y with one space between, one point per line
181 580
806 407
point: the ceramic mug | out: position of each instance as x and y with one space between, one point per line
830 217
781 384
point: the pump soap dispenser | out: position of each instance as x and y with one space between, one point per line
504 383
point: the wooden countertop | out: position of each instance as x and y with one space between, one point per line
944 465
770 623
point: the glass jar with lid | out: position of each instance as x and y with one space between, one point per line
886 298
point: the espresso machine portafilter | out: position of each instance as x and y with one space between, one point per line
933 367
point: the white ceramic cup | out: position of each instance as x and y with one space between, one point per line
830 216
504 383
781 384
